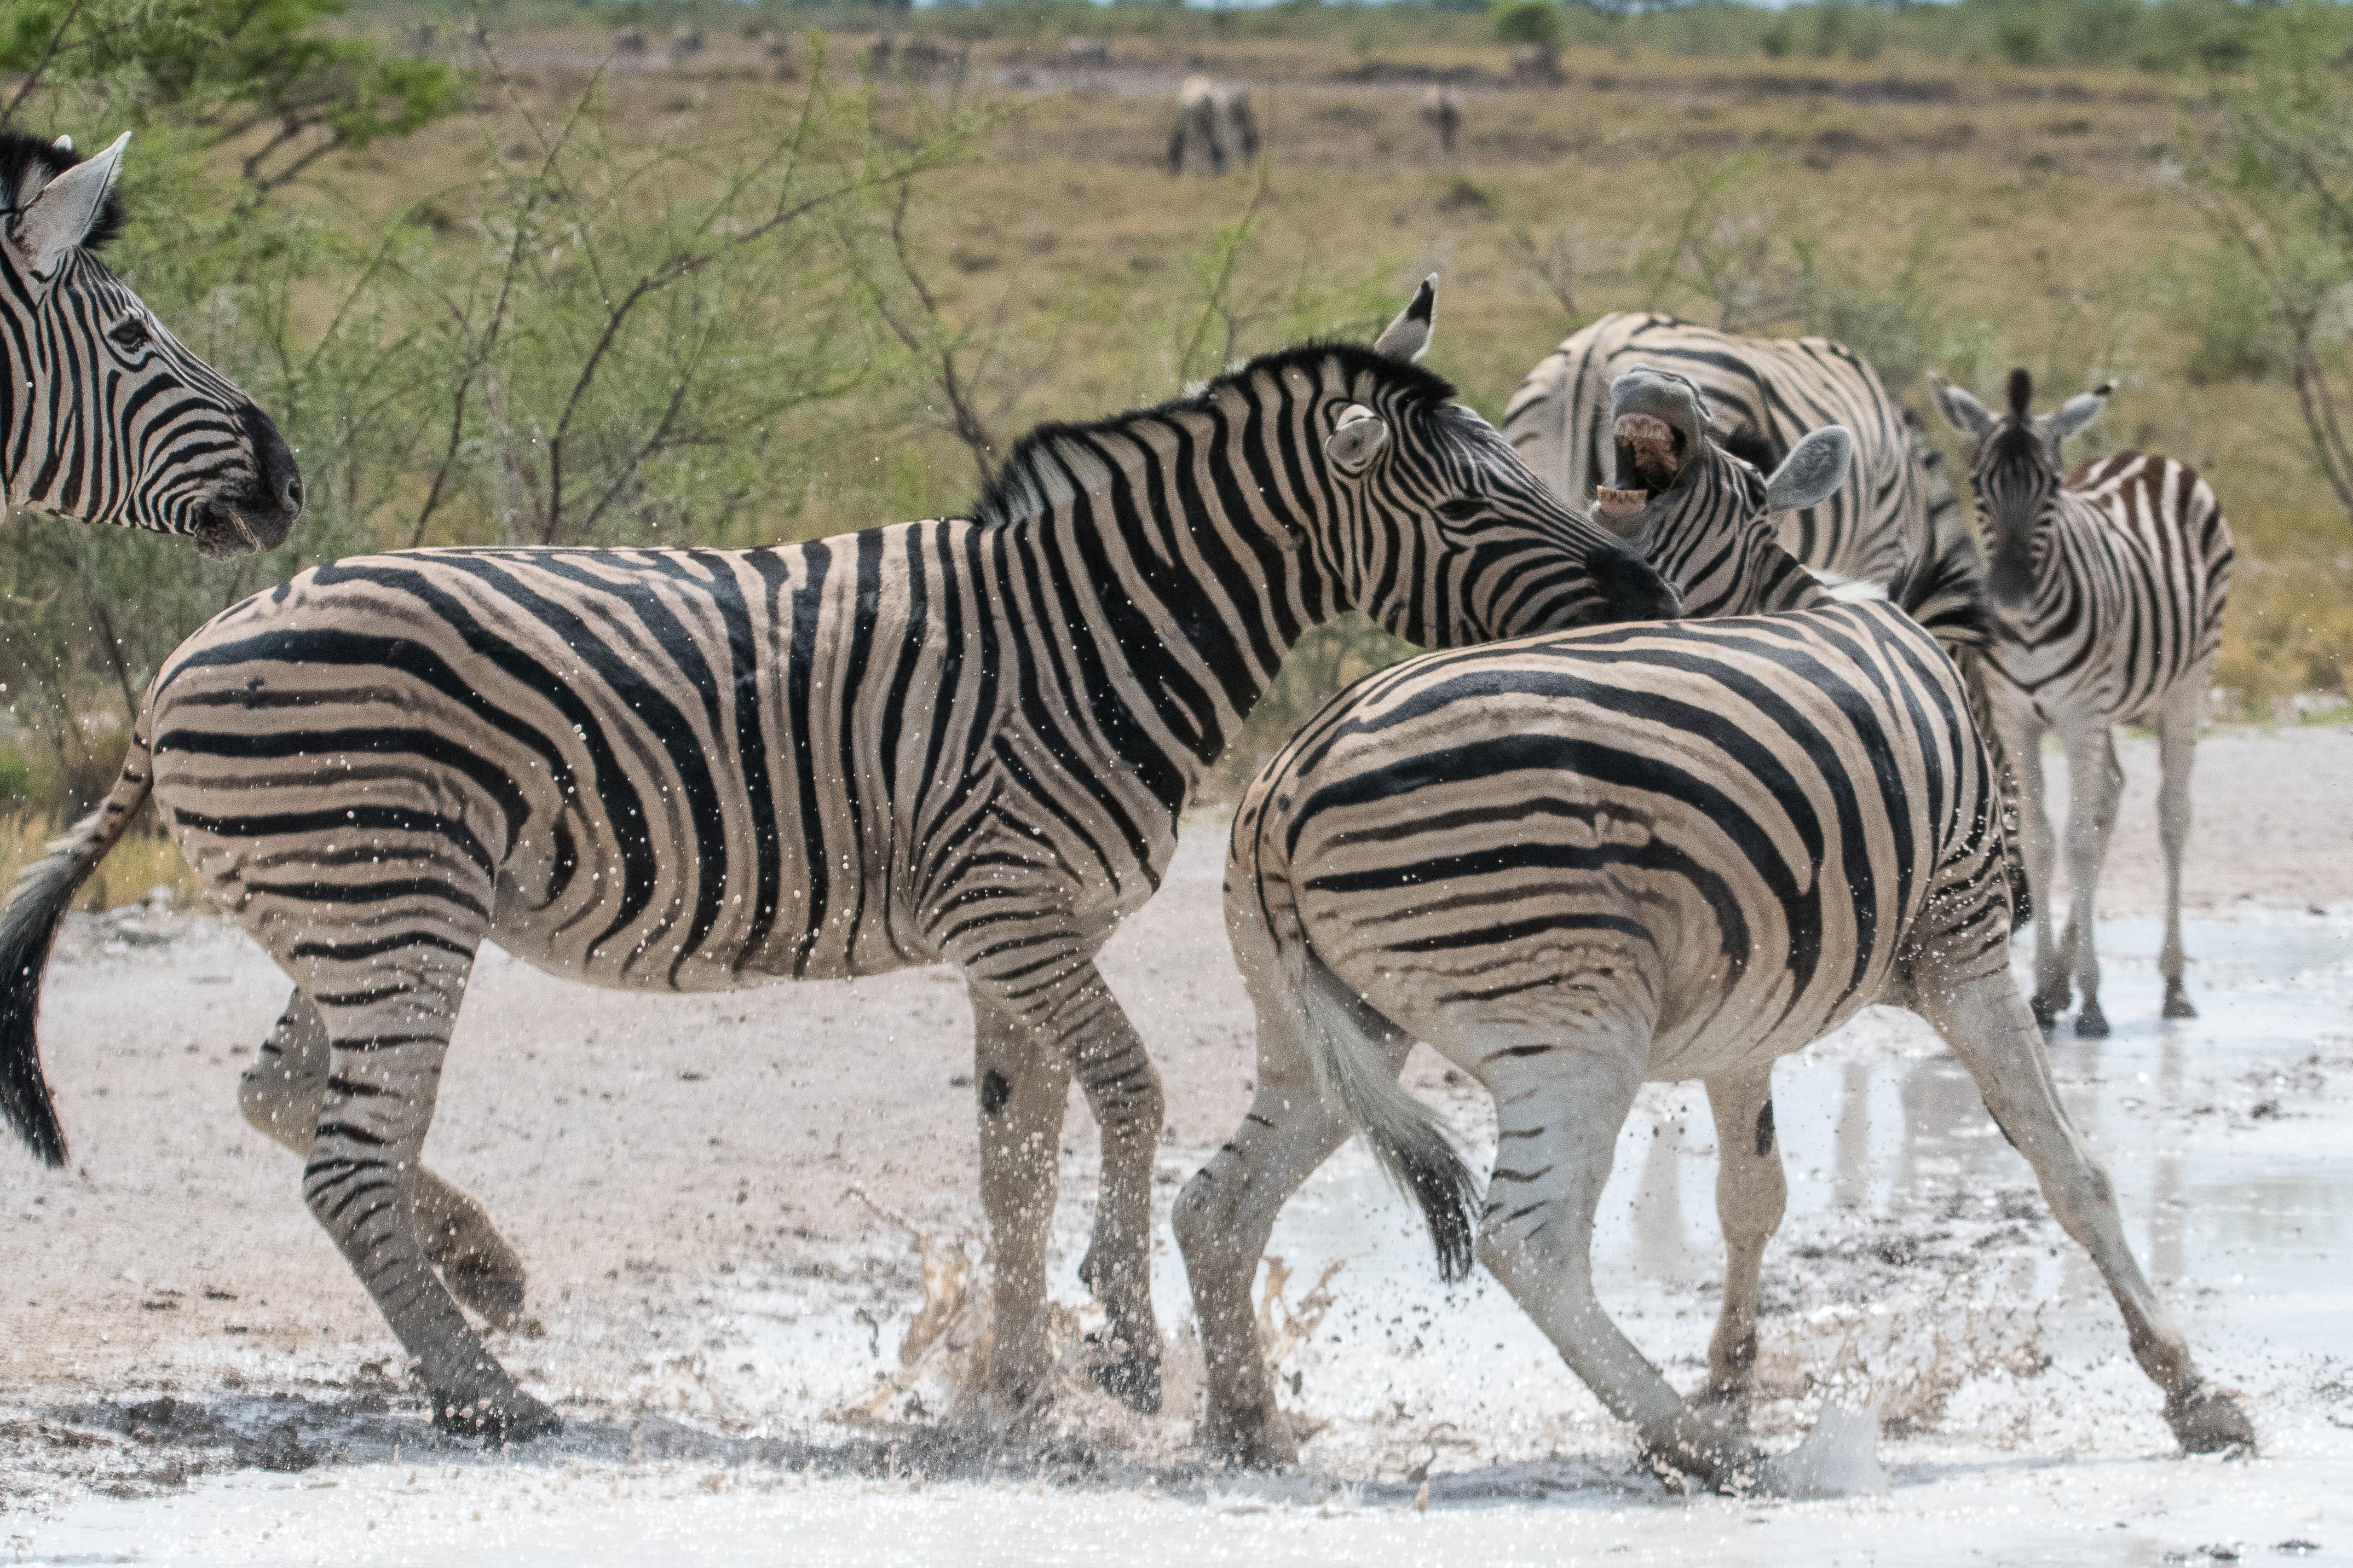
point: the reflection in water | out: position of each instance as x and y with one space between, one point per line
2166 1255
1660 1249
1853 1137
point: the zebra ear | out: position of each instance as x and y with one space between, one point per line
2078 410
1961 411
1812 471
1357 440
54 222
1407 339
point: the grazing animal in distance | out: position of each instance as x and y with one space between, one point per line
967 740
685 43
1763 395
2106 589
105 416
1215 128
1575 862
1443 114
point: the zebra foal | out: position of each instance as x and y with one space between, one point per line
1578 861
1763 395
104 417
966 740
2106 588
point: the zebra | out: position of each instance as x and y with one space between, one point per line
1214 126
1764 395
1579 860
1443 114
2106 588
966 740
105 417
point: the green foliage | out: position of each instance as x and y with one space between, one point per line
1537 22
271 74
2275 180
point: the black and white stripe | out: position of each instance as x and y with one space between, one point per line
1575 862
2105 590
966 742
1764 395
104 417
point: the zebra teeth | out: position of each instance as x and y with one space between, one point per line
1620 503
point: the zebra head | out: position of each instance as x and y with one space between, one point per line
104 417
1437 528
2014 461
1690 505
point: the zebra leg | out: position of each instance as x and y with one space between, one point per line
1123 1090
1022 1079
388 1020
1984 1021
2098 784
1227 1211
1560 1114
280 1095
2021 741
2176 741
1750 1196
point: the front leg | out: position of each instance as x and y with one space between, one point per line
2096 784
1751 1193
1022 1081
2021 743
1123 1090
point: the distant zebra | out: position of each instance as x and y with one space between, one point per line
1214 126
1575 862
1764 393
104 417
1443 114
966 741
2106 587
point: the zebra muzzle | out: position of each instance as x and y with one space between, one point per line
1650 452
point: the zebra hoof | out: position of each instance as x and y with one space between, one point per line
1248 1439
2046 1017
2177 1002
2091 1024
2210 1422
507 1415
1133 1380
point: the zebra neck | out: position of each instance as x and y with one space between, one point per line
1752 576
1192 580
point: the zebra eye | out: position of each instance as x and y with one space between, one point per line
131 336
1461 509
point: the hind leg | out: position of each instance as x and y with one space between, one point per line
1751 1193
1228 1210
281 1094
2176 741
387 1019
2022 744
1988 1025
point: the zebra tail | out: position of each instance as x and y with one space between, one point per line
1405 1136
28 926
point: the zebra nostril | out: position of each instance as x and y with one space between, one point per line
292 492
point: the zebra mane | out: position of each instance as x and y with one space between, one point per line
29 163
1029 481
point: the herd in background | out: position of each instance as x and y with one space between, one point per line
1719 743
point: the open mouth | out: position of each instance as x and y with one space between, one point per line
1649 456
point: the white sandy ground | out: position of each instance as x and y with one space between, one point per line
189 1374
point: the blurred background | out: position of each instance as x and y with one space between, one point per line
728 274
